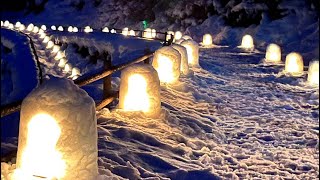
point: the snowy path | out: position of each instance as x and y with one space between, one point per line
233 119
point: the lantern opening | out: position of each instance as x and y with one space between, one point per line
294 64
313 73
273 54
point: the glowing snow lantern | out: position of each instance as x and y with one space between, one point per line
140 90
87 29
55 48
6 23
273 54
113 31
18 24
147 33
247 42
125 31
75 29
35 29
313 73
75 71
10 26
42 36
46 39
22 27
53 28
59 55
30 27
62 62
192 51
105 29
207 40
153 33
184 67
70 29
167 62
294 64
60 28
177 35
169 35
50 45
54 141
67 67
132 33
43 27
41 31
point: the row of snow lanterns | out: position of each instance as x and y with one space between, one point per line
56 49
293 64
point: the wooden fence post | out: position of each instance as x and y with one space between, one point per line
107 80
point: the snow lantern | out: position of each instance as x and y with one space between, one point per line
125 31
167 62
57 133
67 68
41 31
313 73
18 24
105 29
88 29
53 28
62 62
75 71
247 42
6 23
113 31
153 33
177 35
273 54
43 27
140 90
70 29
50 45
11 26
75 29
147 33
132 33
184 67
30 27
46 39
192 51
55 48
60 28
22 27
294 64
59 55
207 40
42 36
169 33
35 29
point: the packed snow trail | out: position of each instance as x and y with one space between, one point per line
234 118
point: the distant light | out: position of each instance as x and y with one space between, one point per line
43 27
125 31
35 29
153 33
18 24
273 54
55 48
53 28
42 36
41 31
132 33
22 27
6 23
70 29
46 39
113 31
10 26
75 72
75 29
207 40
30 27
177 35
294 64
105 29
62 62
50 45
60 28
59 55
67 67
88 29
313 73
147 33
247 42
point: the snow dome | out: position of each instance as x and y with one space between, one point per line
18 24
43 27
60 28
70 29
125 31
247 42
184 67
313 73
6 23
166 61
22 27
57 133
35 29
88 29
30 27
207 40
294 64
75 29
177 35
273 54
192 51
62 62
140 90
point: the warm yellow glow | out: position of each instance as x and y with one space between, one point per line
53 28
60 28
189 53
273 54
35 29
42 36
6 23
153 33
136 98
88 29
55 48
75 71
50 45
43 27
75 29
105 29
169 33
207 40
147 33
18 24
247 42
132 33
313 73
46 39
125 31
294 64
40 156
59 55
67 67
62 62
165 69
22 27
70 29
10 26
113 31
41 31
177 35
30 27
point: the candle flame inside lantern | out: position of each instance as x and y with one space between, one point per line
207 40
177 35
39 157
137 96
313 73
273 53
247 42
294 64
